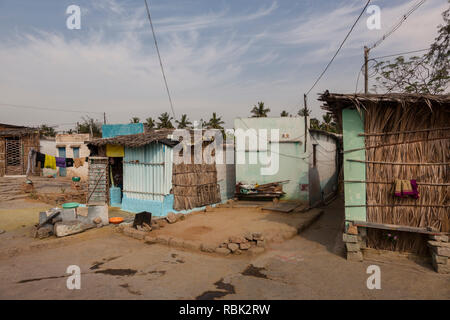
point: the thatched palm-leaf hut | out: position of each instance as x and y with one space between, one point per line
390 137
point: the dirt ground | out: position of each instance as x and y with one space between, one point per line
218 225
113 266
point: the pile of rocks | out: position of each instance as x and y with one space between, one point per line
249 242
355 240
440 251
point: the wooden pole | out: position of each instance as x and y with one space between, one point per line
306 120
104 117
366 70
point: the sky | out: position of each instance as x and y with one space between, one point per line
219 56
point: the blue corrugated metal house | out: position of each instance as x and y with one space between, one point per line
148 171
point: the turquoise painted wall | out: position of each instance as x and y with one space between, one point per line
355 193
114 130
292 166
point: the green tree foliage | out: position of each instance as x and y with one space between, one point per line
47 131
87 124
135 120
215 122
284 113
184 122
150 123
165 121
427 74
259 111
314 123
304 112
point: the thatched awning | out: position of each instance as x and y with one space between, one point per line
334 102
137 140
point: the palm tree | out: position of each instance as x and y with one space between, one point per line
183 123
314 123
135 120
328 124
150 123
165 121
304 112
215 122
259 111
284 113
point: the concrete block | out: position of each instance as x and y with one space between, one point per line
98 212
349 238
355 256
62 229
68 215
352 247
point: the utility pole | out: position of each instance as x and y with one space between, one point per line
306 120
366 70
104 117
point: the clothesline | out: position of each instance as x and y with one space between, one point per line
51 162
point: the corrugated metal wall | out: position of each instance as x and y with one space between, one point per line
147 172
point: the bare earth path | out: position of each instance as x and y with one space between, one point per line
309 266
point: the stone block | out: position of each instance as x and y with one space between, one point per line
163 239
191 245
442 268
233 247
349 238
352 247
150 239
354 256
257 236
245 246
175 242
441 238
439 259
224 251
62 229
237 239
248 236
138 234
207 247
171 217
261 243
441 251
44 232
439 244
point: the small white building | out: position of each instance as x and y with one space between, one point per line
73 146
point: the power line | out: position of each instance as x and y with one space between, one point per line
332 59
395 27
159 57
47 108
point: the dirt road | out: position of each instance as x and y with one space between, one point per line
309 266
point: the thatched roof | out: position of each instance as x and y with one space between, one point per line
137 140
337 101
16 131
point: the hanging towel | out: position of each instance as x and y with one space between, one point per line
31 161
415 189
69 162
78 162
50 162
40 157
60 162
113 150
405 188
